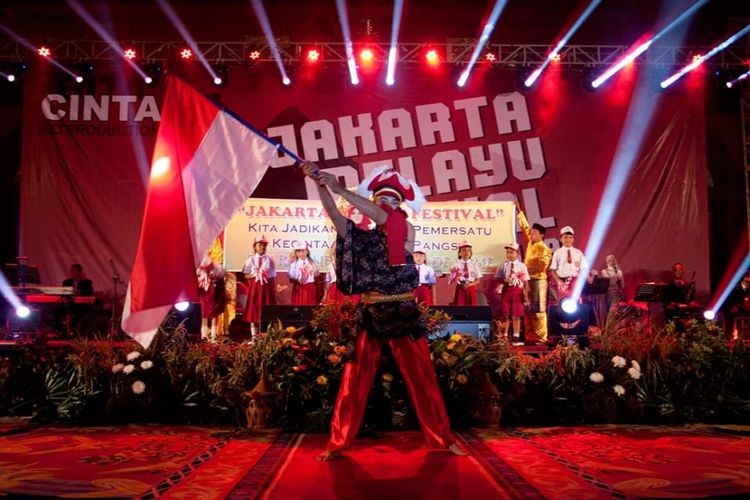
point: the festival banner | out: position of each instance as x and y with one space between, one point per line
440 227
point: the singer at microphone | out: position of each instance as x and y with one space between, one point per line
615 292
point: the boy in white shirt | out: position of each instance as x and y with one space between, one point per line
567 263
427 279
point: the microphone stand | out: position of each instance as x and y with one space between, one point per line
114 321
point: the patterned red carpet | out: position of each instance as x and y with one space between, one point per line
196 463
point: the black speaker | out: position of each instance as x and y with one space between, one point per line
296 316
576 323
475 321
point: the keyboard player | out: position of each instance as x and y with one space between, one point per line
82 285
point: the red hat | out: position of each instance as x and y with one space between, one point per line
464 244
261 239
386 180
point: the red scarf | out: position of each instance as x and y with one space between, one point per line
396 232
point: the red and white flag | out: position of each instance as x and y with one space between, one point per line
205 165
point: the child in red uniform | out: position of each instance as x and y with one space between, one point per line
467 274
260 273
427 280
302 273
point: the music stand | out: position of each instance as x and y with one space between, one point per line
22 274
598 286
650 292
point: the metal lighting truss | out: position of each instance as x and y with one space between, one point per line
454 51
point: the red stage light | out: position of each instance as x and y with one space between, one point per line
186 54
313 55
432 57
129 54
556 58
255 54
44 51
490 57
366 56
697 59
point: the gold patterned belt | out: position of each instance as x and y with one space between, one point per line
377 297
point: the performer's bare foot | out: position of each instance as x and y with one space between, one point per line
457 450
327 456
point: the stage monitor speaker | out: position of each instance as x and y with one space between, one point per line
296 316
577 323
475 321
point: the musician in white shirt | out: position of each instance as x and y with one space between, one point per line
615 292
567 263
427 279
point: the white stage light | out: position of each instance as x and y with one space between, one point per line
569 306
182 306
23 311
709 315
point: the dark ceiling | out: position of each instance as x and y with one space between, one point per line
615 22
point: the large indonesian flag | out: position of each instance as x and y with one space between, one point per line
205 165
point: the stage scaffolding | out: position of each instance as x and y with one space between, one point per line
456 51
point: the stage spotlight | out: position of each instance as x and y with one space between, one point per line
186 54
490 57
182 306
129 54
151 73
79 79
557 58
12 78
286 81
697 59
218 81
254 55
44 51
709 315
220 74
313 56
366 56
23 311
432 58
569 305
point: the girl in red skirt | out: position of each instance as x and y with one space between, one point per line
260 273
467 274
427 280
302 273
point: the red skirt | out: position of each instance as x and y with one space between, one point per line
304 294
258 296
511 303
464 296
336 296
423 294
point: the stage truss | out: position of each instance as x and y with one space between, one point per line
456 51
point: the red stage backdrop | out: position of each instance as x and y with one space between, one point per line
83 190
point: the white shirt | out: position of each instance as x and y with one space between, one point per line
517 277
426 274
331 273
257 263
615 277
564 269
303 271
466 271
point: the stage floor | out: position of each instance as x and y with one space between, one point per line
148 461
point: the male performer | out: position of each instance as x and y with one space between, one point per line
81 284
260 272
678 293
379 265
567 263
538 257
427 280
467 274
514 276
302 273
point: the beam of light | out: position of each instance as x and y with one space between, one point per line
350 60
644 46
641 109
717 302
739 79
265 25
104 35
390 74
698 60
9 294
564 40
34 49
483 38
186 36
